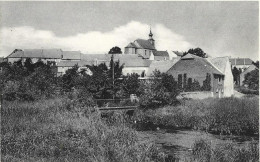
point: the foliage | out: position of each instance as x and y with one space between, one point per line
69 78
206 83
197 51
222 116
46 130
252 79
236 75
27 81
131 84
256 63
115 50
203 150
159 91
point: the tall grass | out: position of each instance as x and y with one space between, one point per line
222 116
203 151
55 130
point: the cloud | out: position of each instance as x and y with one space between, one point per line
90 42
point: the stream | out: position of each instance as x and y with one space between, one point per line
178 143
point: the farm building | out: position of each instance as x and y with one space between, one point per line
193 69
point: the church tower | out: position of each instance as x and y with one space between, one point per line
151 40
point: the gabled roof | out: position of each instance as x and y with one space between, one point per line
219 62
36 53
71 55
240 61
144 44
162 66
190 60
161 53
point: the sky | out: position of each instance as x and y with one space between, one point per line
218 28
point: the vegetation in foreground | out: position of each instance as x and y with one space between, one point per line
203 151
223 116
66 129
59 130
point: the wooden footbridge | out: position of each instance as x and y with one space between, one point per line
103 105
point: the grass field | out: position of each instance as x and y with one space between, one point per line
62 130
222 116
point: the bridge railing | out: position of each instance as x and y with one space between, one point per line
113 104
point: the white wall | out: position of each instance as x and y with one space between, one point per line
228 81
138 70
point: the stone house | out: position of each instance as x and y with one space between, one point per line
197 68
159 55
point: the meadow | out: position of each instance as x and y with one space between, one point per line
62 129
237 116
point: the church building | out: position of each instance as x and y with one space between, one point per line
142 47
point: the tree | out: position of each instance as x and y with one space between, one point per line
69 78
131 84
159 91
236 75
197 51
256 63
115 50
206 83
252 79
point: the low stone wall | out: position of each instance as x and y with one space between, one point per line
195 95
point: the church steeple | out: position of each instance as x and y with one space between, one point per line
151 34
151 40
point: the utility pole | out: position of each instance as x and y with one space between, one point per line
113 75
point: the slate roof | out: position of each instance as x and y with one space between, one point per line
198 61
72 63
71 55
219 62
162 66
161 53
144 44
36 53
240 61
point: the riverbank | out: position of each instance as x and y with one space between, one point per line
179 144
233 116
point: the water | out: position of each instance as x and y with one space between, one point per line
178 143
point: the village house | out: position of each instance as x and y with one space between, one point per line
45 55
197 68
240 63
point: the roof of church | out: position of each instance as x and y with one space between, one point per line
161 53
131 45
144 44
